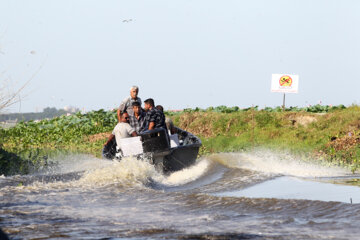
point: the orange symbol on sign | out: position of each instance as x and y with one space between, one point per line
286 81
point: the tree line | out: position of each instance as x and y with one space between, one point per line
49 112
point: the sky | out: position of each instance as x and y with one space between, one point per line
182 53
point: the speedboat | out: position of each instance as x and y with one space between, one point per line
167 152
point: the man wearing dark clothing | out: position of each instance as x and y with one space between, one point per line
136 120
169 123
153 117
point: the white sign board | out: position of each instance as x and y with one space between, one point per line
285 83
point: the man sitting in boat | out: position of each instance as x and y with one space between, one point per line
126 104
169 123
137 119
153 118
122 129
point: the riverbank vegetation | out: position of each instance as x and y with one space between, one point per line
322 132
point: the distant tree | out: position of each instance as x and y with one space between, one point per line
48 112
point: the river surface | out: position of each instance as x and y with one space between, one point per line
259 195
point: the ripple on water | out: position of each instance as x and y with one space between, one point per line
129 199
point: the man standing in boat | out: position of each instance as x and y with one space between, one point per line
154 118
122 129
136 120
126 104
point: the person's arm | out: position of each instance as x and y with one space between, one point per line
118 114
151 125
131 131
122 108
109 139
152 120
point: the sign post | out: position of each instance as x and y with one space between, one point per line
285 83
283 106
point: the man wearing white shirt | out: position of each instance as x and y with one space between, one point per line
122 129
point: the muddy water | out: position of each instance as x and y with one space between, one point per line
258 195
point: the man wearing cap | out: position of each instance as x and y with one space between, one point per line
126 104
137 119
153 117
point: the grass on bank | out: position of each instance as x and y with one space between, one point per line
333 135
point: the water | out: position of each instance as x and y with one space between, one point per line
294 188
258 195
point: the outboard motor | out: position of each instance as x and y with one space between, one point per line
109 150
155 140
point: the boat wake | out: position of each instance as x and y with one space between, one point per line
86 171
128 172
268 162
218 194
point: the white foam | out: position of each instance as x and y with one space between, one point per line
77 163
280 163
187 175
128 171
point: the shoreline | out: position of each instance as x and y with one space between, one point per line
333 136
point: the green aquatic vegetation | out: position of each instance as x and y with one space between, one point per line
28 145
58 131
222 129
25 161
